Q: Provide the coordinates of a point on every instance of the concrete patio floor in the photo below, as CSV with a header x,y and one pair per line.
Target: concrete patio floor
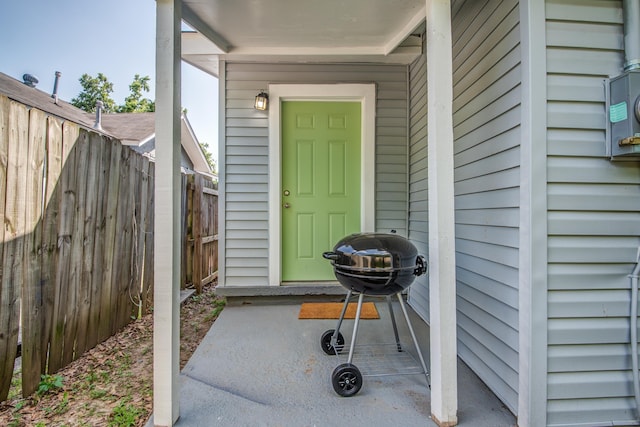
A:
x,y
260,365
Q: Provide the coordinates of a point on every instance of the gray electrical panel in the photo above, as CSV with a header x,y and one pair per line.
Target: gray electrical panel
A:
x,y
623,114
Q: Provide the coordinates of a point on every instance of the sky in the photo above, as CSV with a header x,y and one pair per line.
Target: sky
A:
x,y
115,38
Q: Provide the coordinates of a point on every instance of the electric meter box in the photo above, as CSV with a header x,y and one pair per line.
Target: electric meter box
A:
x,y
623,115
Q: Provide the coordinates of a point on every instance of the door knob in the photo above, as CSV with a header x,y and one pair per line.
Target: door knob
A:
x,y
286,192
287,205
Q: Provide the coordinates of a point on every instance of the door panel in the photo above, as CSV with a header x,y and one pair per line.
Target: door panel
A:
x,y
320,184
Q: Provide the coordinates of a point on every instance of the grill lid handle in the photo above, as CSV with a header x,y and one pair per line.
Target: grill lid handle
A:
x,y
331,255
421,266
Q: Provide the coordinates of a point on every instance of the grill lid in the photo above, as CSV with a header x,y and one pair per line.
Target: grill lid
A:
x,y
376,252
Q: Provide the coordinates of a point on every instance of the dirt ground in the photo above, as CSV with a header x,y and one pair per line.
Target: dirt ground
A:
x,y
112,384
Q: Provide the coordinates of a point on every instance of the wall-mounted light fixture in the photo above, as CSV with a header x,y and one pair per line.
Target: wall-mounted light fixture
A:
x,y
262,101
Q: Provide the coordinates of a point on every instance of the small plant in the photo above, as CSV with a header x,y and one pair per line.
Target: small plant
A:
x,y
63,406
49,383
124,415
97,393
218,307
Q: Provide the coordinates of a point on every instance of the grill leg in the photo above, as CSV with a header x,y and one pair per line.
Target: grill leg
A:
x,y
355,328
334,338
393,322
413,336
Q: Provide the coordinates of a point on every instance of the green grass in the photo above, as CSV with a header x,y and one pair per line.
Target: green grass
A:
x,y
217,309
124,415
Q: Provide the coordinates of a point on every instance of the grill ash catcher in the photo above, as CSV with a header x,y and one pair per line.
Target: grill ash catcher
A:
x,y
373,264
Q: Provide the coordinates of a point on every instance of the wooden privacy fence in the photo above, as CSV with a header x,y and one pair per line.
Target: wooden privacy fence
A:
x,y
76,246
199,231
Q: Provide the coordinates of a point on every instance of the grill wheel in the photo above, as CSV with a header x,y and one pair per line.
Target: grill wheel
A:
x,y
346,380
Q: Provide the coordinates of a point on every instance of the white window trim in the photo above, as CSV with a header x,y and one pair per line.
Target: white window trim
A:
x,y
366,95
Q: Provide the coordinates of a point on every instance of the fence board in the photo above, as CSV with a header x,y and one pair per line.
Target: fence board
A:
x,y
108,294
143,208
87,205
148,260
13,265
197,232
31,287
50,229
123,239
77,293
189,190
67,199
101,150
8,307
128,277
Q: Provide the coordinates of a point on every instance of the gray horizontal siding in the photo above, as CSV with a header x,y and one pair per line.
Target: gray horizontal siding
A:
x,y
486,119
246,155
593,221
418,180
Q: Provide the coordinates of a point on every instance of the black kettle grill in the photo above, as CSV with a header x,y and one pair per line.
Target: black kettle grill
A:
x,y
376,264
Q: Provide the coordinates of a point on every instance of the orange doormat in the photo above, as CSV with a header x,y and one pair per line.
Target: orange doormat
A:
x,y
332,310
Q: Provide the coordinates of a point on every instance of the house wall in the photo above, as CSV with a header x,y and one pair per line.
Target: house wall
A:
x,y
418,182
486,115
593,221
486,61
246,155
593,204
486,120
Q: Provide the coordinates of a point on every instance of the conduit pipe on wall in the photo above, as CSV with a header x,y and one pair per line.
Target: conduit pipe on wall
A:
x,y
631,13
633,323
631,16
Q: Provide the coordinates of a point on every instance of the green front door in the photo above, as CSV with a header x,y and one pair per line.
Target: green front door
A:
x,y
320,184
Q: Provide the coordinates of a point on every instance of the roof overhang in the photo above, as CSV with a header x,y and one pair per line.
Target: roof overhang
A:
x,y
331,31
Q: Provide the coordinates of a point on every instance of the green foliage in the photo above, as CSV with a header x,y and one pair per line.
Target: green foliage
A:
x,y
218,306
135,103
49,383
94,89
208,156
124,415
100,88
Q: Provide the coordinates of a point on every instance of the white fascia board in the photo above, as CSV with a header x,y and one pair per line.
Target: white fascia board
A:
x,y
198,24
138,142
130,142
306,50
402,55
194,43
414,23
205,63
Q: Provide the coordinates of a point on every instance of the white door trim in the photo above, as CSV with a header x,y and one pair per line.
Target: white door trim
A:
x,y
366,95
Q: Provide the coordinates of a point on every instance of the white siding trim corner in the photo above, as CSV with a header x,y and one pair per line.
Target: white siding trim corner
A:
x,y
532,369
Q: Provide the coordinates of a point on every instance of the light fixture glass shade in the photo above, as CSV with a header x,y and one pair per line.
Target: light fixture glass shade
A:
x,y
262,101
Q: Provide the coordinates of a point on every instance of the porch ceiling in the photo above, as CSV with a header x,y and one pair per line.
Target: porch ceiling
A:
x,y
302,31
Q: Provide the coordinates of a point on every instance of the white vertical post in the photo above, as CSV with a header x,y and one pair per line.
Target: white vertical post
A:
x,y
442,264
166,317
